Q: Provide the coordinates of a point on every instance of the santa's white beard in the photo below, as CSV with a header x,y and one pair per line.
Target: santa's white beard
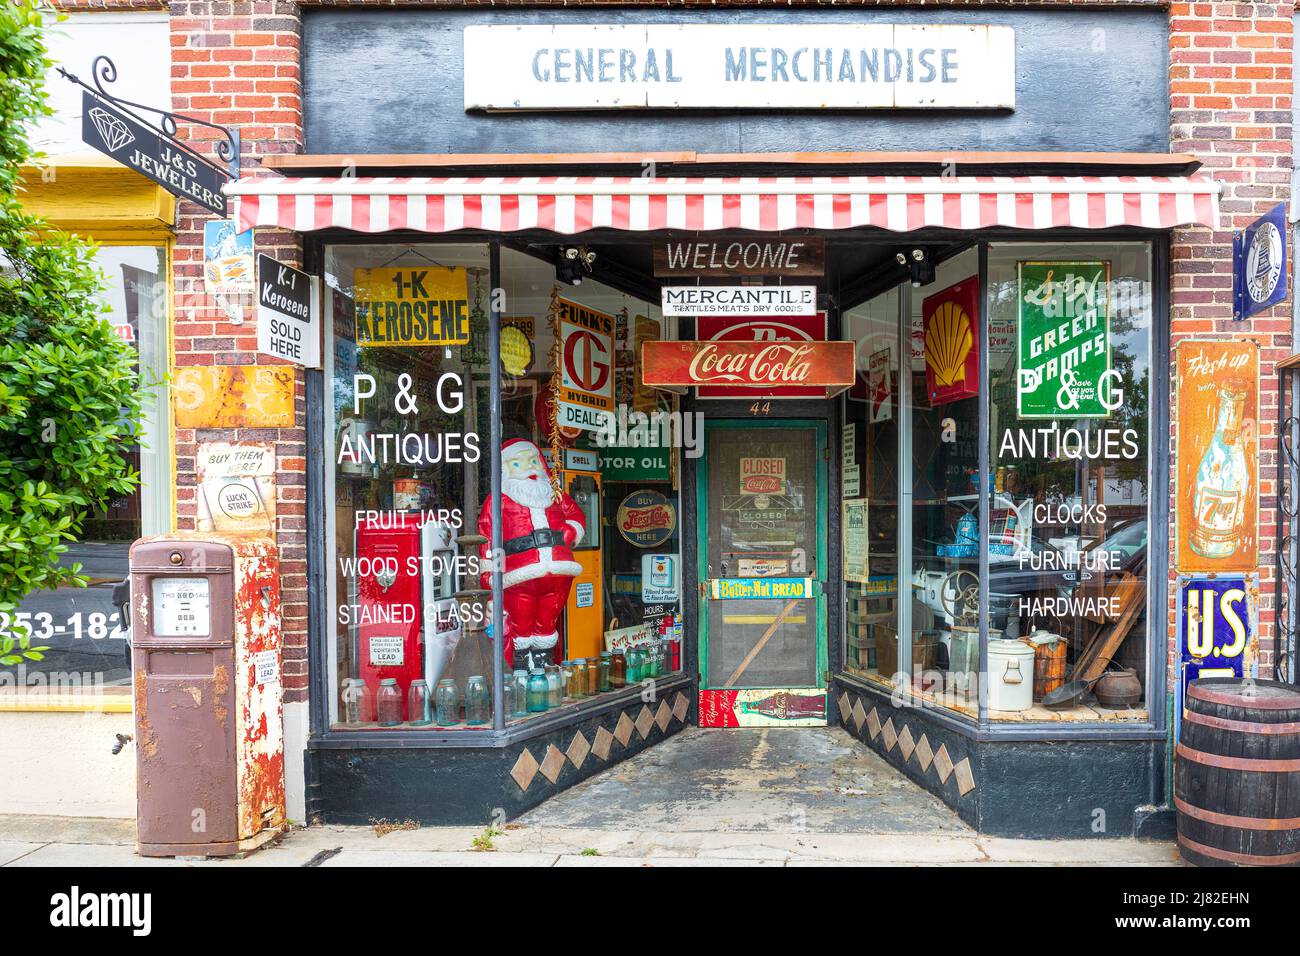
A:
x,y
529,492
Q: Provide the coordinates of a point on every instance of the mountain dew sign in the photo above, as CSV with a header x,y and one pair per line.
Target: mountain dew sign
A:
x,y
1063,335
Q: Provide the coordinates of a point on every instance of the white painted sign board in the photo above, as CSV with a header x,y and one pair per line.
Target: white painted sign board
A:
x,y
739,66
689,300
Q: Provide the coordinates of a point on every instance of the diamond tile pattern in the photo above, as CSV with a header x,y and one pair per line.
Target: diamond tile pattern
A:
x,y
873,724
602,744
891,735
663,715
924,754
525,769
552,763
943,763
681,706
905,743
623,730
965,778
644,721
578,750
844,706
859,714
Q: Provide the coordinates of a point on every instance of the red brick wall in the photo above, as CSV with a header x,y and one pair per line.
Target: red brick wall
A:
x,y
1230,85
236,63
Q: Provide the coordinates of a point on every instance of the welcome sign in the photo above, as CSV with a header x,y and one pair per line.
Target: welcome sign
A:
x,y
739,66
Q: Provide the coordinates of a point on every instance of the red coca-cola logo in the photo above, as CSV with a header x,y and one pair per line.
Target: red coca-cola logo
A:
x,y
761,485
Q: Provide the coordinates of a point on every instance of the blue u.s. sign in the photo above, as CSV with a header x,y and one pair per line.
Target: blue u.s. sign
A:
x,y
1217,628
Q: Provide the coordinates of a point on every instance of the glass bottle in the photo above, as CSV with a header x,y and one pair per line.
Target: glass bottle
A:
x,y
1222,484
593,677
446,699
566,678
388,702
605,681
651,666
666,656
418,703
578,683
554,686
478,706
538,695
519,693
632,659
358,702
618,670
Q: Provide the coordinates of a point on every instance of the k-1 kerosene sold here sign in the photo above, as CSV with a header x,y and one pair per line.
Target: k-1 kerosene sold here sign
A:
x,y
288,322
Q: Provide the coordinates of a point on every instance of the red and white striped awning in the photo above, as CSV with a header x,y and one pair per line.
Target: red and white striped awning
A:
x,y
569,205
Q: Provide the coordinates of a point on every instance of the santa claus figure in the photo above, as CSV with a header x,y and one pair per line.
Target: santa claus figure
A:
x,y
538,529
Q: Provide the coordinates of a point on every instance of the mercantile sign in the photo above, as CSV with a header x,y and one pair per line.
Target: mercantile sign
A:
x,y
739,66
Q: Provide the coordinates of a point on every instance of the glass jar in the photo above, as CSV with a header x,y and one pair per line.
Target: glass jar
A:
x,y
566,678
446,700
605,678
519,693
418,703
554,686
593,676
666,656
478,702
538,695
358,702
634,658
618,670
388,703
578,683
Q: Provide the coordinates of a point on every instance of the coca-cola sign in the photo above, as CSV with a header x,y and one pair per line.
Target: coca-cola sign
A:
x,y
766,367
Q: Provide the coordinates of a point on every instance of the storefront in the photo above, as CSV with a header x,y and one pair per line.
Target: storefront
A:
x,y
866,439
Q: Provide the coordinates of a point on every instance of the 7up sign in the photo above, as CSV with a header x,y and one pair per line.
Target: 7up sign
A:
x,y
1063,334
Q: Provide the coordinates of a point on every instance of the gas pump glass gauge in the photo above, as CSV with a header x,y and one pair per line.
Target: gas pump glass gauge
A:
x,y
444,584
586,496
181,607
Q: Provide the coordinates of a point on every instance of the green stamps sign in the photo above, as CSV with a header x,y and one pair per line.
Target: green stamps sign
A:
x,y
1063,335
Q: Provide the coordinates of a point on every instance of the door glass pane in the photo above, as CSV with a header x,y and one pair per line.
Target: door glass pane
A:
x,y
945,485
762,523
869,489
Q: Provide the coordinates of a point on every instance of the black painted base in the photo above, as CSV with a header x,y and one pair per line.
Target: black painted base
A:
x,y
1035,789
473,786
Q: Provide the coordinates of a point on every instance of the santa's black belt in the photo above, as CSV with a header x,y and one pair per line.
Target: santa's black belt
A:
x,y
543,538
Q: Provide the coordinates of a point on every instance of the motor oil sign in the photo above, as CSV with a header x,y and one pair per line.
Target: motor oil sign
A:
x,y
586,394
412,305
762,476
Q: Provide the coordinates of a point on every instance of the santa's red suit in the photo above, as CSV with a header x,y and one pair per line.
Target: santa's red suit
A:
x,y
538,533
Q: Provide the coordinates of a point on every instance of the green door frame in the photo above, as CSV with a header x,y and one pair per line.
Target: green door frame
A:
x,y
818,426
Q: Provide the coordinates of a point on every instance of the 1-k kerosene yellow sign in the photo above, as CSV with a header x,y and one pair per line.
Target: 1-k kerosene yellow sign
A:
x,y
425,305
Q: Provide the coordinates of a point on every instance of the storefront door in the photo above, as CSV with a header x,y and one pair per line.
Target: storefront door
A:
x,y
762,573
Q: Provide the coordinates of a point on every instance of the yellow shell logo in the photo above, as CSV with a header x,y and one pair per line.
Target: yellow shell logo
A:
x,y
948,341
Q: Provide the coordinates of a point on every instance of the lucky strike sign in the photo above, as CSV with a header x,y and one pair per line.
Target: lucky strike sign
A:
x,y
758,369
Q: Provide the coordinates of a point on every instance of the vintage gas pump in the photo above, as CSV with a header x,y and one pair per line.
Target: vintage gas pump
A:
x,y
208,719
584,615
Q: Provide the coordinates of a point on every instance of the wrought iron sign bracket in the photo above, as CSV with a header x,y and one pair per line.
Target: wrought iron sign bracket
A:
x,y
108,126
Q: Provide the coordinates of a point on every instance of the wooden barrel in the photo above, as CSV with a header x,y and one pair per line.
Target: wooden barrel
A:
x,y
1237,774
1049,668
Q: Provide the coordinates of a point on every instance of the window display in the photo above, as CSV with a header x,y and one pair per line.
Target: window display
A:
x,y
590,539
1066,393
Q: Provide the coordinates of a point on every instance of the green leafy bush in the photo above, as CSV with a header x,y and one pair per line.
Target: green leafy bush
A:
x,y
70,396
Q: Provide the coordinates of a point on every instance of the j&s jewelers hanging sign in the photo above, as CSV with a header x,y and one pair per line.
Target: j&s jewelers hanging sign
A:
x,y
739,66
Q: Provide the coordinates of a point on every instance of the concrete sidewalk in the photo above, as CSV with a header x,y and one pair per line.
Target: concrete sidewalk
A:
x,y
63,841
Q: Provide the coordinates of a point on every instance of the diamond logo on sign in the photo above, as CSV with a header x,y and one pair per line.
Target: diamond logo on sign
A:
x,y
115,132
1063,336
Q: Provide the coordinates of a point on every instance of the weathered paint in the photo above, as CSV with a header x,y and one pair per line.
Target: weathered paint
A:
x,y
211,752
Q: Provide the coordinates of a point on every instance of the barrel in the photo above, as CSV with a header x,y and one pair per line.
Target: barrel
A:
x,y
1237,773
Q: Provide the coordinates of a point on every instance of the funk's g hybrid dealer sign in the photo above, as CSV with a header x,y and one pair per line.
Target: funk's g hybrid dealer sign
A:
x,y
721,66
